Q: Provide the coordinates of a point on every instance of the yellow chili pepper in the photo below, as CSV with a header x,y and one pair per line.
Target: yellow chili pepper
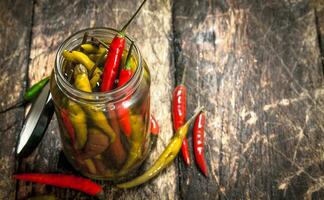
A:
x,y
79,57
79,122
137,137
94,57
99,119
133,64
94,80
91,166
81,80
168,155
90,48
95,76
96,116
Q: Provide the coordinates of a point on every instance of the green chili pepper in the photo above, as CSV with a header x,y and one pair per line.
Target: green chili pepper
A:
x,y
168,155
32,92
137,137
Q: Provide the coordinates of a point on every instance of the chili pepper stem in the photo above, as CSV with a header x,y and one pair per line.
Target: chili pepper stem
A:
x,y
131,19
197,111
114,55
85,37
184,75
129,55
126,67
96,64
101,42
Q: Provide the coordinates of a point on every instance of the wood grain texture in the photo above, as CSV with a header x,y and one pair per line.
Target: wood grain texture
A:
x,y
56,20
255,66
318,6
15,23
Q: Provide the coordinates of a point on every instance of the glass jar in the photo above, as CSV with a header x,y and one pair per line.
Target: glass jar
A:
x,y
92,126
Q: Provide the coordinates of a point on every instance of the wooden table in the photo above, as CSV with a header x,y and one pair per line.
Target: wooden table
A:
x,y
255,65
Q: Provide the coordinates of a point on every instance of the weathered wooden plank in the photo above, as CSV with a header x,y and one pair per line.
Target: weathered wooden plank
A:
x,y
15,23
256,68
152,32
319,11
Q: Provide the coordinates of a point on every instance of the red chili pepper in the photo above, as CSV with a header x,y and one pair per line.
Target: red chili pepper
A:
x,y
114,56
124,76
179,106
155,129
68,124
64,181
179,111
122,110
198,142
112,62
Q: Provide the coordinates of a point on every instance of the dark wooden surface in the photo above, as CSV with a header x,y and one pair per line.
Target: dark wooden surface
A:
x,y
257,67
15,34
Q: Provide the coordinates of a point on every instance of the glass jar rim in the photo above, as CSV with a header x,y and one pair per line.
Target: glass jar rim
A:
x,y
96,97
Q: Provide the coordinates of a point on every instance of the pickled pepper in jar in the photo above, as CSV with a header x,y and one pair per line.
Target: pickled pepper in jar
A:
x,y
93,137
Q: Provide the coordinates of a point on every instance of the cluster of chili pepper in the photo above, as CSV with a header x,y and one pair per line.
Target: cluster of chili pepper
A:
x,y
167,156
94,135
91,188
91,141
178,141
179,111
90,134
